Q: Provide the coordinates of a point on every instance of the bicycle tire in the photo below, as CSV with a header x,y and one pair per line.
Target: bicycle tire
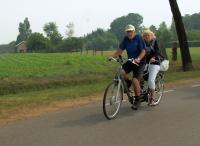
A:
x,y
112,100
159,91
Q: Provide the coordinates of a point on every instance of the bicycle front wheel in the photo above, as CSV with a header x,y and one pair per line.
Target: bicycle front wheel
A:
x,y
159,89
112,100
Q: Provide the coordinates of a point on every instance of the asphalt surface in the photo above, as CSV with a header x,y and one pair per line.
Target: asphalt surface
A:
x,y
175,122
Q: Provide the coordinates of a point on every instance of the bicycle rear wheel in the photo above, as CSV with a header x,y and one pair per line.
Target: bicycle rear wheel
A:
x,y
112,100
159,90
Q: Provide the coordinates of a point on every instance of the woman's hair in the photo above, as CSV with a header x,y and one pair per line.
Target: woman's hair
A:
x,y
148,32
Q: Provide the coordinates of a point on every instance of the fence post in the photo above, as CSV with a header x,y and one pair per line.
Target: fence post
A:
x,y
93,52
102,52
87,51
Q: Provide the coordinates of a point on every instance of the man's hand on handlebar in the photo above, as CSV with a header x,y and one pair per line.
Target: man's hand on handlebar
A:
x,y
110,58
118,59
137,60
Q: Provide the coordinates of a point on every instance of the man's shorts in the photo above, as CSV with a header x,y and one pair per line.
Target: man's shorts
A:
x,y
137,70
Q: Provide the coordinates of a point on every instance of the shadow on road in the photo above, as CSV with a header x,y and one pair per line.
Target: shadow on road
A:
x,y
98,117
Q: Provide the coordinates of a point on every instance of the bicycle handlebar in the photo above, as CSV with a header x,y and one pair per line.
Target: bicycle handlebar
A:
x,y
120,60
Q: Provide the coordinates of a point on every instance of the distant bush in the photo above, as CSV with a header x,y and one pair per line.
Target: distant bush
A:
x,y
38,43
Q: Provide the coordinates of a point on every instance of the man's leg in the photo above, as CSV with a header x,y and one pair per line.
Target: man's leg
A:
x,y
125,71
137,75
136,86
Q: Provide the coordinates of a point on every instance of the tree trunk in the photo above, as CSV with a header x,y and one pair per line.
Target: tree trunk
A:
x,y
184,48
174,51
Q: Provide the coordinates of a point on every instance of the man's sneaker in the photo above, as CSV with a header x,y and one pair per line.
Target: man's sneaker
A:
x,y
136,103
144,97
130,99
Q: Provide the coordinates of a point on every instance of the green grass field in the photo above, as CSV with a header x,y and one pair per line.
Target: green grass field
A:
x,y
30,80
46,65
57,65
26,72
175,72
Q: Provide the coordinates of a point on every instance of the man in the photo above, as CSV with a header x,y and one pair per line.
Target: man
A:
x,y
135,48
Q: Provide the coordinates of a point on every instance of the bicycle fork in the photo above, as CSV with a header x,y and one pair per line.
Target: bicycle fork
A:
x,y
120,87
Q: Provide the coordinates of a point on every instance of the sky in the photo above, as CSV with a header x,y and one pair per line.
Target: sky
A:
x,y
87,15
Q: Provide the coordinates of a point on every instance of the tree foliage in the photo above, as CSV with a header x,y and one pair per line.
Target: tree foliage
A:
x,y
38,43
51,30
24,31
70,29
192,26
118,25
192,21
71,44
101,40
163,34
153,29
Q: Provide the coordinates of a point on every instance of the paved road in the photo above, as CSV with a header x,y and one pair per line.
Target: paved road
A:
x,y
175,122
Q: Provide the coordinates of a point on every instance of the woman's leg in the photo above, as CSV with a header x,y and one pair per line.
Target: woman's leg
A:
x,y
153,71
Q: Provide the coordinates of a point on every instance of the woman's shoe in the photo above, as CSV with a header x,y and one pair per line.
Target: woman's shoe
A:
x,y
151,102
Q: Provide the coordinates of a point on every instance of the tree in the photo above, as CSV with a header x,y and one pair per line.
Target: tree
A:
x,y
28,30
24,31
193,35
101,40
184,48
153,29
70,29
192,26
163,35
38,43
192,21
71,44
52,33
118,25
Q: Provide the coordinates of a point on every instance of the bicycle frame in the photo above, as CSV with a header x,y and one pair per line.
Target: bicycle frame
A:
x,y
119,77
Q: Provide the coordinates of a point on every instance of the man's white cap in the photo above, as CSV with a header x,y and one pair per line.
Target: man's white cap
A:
x,y
129,28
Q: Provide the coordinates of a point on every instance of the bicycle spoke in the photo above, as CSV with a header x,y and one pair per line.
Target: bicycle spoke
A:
x,y
112,100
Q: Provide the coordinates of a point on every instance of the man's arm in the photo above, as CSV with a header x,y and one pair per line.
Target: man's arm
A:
x,y
141,56
118,53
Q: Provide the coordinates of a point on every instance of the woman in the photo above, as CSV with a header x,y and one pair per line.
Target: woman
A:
x,y
153,58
